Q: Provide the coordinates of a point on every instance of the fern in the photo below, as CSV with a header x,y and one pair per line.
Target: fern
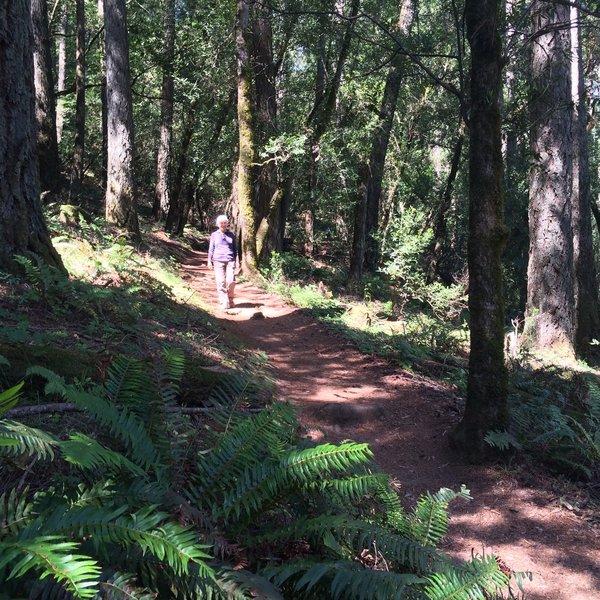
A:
x,y
17,439
248,442
262,483
9,398
87,453
52,556
122,586
475,581
343,579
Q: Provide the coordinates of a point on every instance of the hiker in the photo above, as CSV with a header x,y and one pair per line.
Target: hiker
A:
x,y
223,257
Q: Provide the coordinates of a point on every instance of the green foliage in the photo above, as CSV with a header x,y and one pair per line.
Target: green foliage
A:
x,y
564,431
286,266
250,484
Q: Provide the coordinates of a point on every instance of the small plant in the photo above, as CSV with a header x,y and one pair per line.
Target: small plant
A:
x,y
146,505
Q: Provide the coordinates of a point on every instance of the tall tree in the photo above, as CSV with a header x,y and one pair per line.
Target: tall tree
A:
x,y
247,146
45,110
79,146
164,156
487,380
121,193
587,319
267,196
550,314
364,247
22,227
318,120
61,77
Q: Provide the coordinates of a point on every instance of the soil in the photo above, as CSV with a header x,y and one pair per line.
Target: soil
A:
x,y
531,521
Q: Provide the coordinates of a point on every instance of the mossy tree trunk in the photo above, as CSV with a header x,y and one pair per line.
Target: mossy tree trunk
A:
x,y
247,149
22,227
486,406
45,109
121,193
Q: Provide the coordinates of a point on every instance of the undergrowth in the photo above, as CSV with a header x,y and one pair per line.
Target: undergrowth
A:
x,y
147,503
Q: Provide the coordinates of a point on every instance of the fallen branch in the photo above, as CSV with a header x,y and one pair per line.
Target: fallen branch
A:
x,y
64,407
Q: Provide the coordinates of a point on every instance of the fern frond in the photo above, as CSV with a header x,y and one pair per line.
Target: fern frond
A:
x,y
86,453
8,398
474,581
262,483
127,382
15,512
394,514
121,586
339,531
17,439
429,521
122,424
55,384
247,442
51,556
346,580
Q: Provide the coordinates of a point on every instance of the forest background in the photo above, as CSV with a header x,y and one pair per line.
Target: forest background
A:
x,y
440,158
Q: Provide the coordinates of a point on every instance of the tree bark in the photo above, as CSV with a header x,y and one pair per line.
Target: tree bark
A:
x,y
104,111
267,193
45,110
63,30
587,321
121,193
247,147
163,159
486,406
176,212
550,315
440,220
79,145
22,227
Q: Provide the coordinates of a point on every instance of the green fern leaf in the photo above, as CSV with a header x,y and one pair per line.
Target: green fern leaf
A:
x,y
17,439
15,512
263,483
52,557
9,398
474,581
87,453
122,586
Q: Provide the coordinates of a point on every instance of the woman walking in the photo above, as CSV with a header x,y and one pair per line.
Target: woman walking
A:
x,y
223,257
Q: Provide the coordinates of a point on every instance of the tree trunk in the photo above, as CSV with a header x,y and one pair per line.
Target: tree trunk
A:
x,y
63,30
22,227
247,149
121,194
486,407
104,111
163,160
79,146
45,110
176,211
550,315
318,122
381,140
440,220
267,194
587,321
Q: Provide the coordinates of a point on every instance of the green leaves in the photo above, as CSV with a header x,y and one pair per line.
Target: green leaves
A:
x,y
51,555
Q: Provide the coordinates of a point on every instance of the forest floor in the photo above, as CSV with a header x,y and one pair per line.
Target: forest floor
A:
x,y
529,520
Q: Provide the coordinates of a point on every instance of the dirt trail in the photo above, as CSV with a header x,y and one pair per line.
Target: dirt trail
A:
x,y
343,394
